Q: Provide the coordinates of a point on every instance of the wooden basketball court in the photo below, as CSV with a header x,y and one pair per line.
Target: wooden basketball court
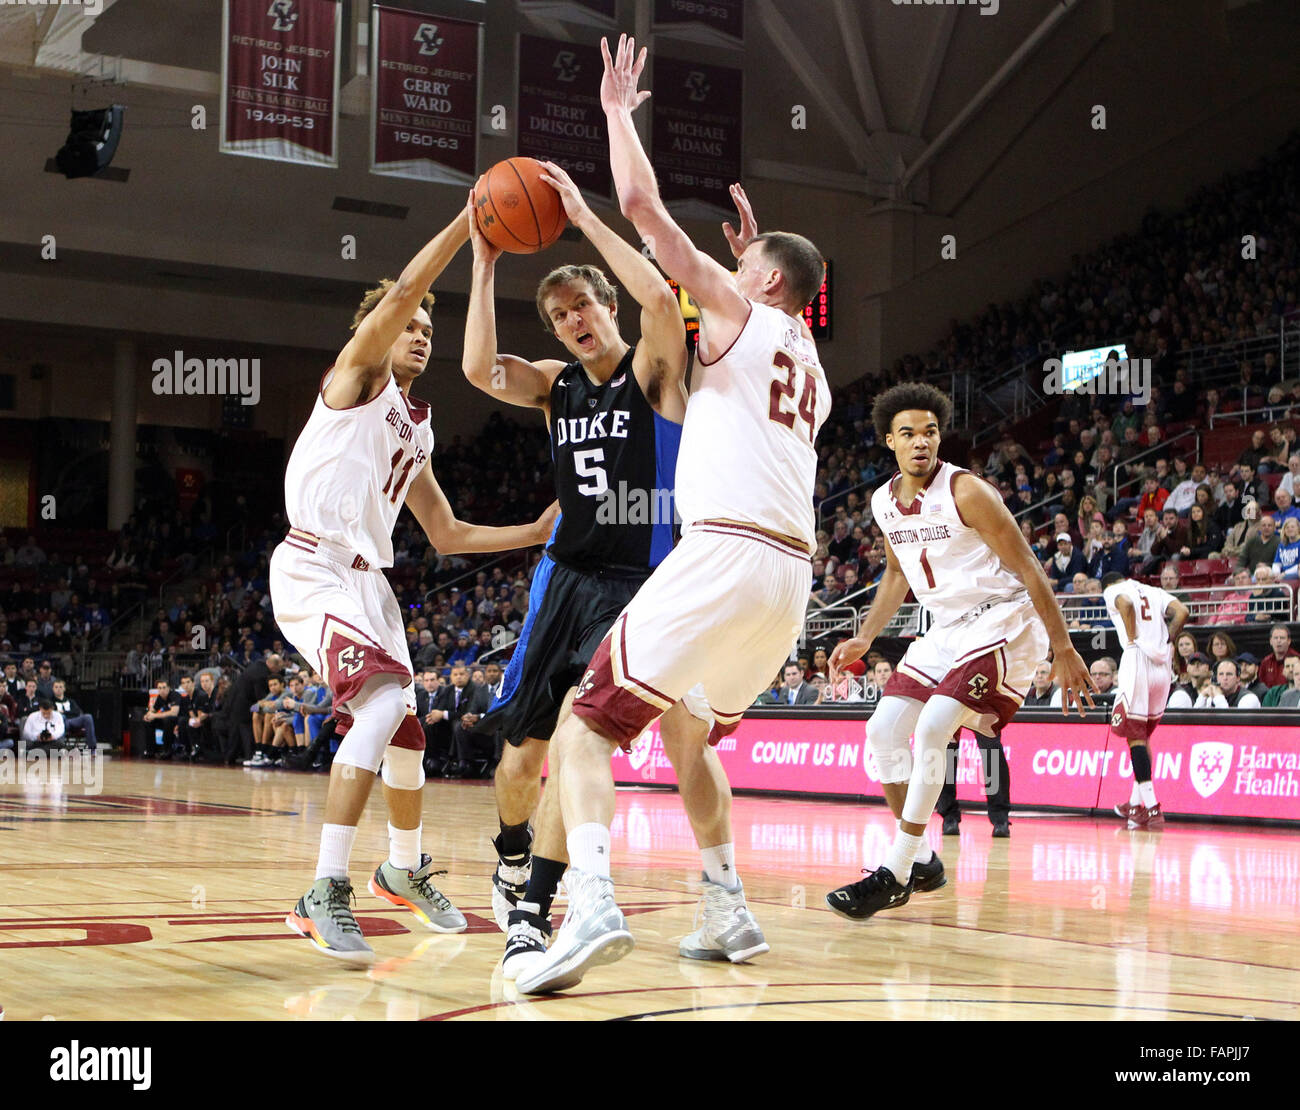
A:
x,y
164,897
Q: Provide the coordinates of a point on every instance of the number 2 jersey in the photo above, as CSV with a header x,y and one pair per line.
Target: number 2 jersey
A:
x,y
747,443
1150,603
615,458
947,563
351,468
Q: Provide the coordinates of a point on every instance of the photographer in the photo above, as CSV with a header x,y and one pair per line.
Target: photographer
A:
x,y
43,727
73,715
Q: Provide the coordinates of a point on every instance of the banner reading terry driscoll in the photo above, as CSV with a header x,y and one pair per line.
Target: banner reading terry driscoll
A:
x,y
560,118
424,102
280,80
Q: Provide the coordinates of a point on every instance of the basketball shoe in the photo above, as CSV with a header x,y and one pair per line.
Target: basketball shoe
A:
x,y
527,935
1147,818
413,891
509,882
324,916
1126,809
728,930
928,876
593,933
878,891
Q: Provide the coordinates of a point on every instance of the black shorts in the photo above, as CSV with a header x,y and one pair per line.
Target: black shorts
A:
x,y
569,612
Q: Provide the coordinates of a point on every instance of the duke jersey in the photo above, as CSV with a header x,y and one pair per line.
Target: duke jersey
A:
x,y
615,461
351,468
747,442
1150,603
947,563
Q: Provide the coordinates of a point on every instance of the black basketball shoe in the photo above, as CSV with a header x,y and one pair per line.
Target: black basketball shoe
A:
x,y
928,876
878,891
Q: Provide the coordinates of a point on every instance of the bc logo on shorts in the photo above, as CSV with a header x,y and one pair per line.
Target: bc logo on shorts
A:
x,y
352,659
585,686
979,686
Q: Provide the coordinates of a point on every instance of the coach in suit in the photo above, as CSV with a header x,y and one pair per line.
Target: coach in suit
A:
x,y
796,691
446,708
248,689
476,752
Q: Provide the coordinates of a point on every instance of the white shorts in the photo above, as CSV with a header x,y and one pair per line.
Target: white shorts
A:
x,y
718,617
1141,691
344,621
985,661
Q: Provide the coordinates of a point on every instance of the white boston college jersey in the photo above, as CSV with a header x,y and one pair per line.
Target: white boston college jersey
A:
x,y
1149,606
747,449
947,563
351,469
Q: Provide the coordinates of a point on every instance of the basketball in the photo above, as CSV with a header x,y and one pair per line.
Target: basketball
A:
x,y
517,211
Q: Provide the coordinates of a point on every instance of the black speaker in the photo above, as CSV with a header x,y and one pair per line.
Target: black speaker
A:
x,y
92,142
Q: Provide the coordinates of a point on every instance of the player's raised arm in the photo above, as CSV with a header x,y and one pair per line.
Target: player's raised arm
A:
x,y
663,331
451,536
889,596
978,502
513,380
709,283
367,351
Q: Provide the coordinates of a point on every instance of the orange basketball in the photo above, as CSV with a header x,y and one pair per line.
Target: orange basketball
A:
x,y
517,211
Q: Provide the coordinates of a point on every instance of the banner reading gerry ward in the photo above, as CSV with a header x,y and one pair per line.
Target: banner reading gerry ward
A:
x,y
280,80
560,118
696,136
424,107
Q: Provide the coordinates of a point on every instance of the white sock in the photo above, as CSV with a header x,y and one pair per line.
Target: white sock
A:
x,y
335,851
1136,797
1148,794
404,847
901,854
589,848
720,865
924,854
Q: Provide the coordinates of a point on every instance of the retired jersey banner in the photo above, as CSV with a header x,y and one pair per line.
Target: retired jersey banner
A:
x,y
280,80
560,117
696,137
424,103
725,18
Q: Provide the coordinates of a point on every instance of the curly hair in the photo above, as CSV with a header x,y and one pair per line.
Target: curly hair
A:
x,y
373,296
906,396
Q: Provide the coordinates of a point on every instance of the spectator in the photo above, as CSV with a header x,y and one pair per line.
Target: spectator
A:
x,y
1229,512
1248,673
13,685
1285,508
1044,690
1247,528
1221,647
1065,564
1184,494
1263,548
1196,678
446,708
30,554
1291,479
73,715
28,701
1272,669
1270,597
158,735
1289,697
1169,582
1235,607
45,726
1184,649
1230,694
45,680
1203,536
1150,533
1252,455
1171,540
796,691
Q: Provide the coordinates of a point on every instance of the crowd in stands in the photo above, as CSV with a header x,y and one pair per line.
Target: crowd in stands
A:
x,y
38,709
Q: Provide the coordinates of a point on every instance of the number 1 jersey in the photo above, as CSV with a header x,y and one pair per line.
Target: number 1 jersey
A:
x,y
748,449
351,468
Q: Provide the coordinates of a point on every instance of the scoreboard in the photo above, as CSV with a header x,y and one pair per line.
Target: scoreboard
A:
x,y
817,315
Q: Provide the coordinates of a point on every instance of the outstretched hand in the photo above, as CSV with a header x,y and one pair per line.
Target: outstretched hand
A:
x,y
483,250
618,89
748,225
571,197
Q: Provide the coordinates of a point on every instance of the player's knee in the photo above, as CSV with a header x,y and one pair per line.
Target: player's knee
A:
x,y
523,761
403,768
374,723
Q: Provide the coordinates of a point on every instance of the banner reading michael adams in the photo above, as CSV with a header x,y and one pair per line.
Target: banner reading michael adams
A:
x,y
722,17
560,118
697,131
280,80
424,102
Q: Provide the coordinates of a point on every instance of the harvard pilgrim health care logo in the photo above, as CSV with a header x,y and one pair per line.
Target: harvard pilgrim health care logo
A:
x,y
283,14
1211,762
429,39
